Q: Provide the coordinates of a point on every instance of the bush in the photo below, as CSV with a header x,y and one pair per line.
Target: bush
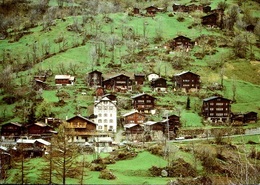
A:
x,y
106,174
97,167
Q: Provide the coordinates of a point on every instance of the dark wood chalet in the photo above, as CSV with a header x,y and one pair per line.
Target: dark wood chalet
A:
x,y
159,84
210,20
181,42
152,10
133,128
144,103
82,127
40,130
64,80
32,147
139,79
133,117
187,81
95,78
216,109
118,83
250,117
171,125
154,126
12,129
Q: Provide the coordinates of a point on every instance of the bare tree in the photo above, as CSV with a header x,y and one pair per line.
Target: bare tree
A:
x,y
64,153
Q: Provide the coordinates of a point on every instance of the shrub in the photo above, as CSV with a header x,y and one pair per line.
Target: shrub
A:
x,y
106,174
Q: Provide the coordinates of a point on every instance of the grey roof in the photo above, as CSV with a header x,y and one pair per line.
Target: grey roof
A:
x,y
184,72
138,95
84,118
214,97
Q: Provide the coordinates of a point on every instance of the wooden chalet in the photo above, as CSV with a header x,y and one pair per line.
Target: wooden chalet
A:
x,y
180,8
144,103
159,84
133,128
187,81
210,20
95,78
152,10
173,121
133,117
64,80
118,83
216,109
82,128
39,130
153,126
250,117
181,42
12,129
53,122
32,147
243,118
139,79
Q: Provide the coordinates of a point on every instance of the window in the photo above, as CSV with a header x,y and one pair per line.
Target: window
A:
x,y
105,120
105,115
100,121
219,103
105,107
111,121
148,101
99,108
140,101
99,115
219,109
110,108
99,127
111,115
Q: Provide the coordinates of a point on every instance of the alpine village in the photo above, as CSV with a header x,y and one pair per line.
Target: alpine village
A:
x,y
130,92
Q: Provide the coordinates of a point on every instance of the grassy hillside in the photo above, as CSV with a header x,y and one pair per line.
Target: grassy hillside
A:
x,y
79,43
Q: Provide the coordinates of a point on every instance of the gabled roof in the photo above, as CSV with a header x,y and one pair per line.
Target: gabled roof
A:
x,y
14,123
104,99
137,74
149,123
43,142
142,94
181,36
185,72
156,79
26,141
215,97
95,71
40,124
132,112
81,117
64,77
116,76
130,125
